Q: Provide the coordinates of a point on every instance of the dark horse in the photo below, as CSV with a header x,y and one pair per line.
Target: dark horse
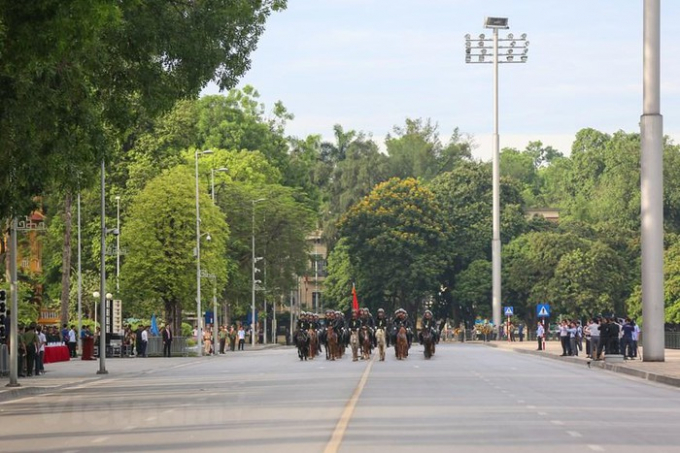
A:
x,y
302,343
366,343
332,349
401,346
427,340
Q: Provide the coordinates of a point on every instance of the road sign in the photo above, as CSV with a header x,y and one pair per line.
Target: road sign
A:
x,y
508,311
543,310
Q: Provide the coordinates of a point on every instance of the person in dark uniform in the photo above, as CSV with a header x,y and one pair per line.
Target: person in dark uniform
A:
x,y
381,323
343,337
401,319
368,321
355,323
428,323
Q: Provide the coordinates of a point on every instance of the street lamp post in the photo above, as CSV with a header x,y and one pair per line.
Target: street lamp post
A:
x,y
513,50
118,244
80,284
199,316
212,193
254,260
95,295
651,188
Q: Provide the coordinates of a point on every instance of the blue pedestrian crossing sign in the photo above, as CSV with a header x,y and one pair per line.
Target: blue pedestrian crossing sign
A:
x,y
508,311
543,310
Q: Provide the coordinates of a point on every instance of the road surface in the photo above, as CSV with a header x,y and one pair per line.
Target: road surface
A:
x,y
468,398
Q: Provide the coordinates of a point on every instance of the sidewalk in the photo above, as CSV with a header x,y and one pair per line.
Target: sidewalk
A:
x,y
63,375
667,372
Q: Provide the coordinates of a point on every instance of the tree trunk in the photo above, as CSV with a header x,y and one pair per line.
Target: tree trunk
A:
x,y
66,264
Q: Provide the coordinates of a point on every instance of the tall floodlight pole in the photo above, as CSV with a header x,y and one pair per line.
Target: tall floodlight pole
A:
x,y
254,281
102,283
199,316
508,49
212,193
651,188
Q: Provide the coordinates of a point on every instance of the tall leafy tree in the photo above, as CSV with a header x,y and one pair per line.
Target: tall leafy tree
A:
x,y
395,239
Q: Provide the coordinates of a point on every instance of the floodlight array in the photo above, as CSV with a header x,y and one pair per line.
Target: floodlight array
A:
x,y
511,49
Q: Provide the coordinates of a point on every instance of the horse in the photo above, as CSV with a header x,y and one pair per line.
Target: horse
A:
x,y
331,344
366,343
428,342
380,338
313,343
302,343
401,346
354,343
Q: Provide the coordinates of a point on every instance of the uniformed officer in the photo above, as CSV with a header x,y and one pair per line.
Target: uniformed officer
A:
x,y
381,323
428,322
401,319
355,323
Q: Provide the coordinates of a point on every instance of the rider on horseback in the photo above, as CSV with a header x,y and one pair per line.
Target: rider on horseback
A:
x,y
367,320
428,323
401,319
355,322
381,323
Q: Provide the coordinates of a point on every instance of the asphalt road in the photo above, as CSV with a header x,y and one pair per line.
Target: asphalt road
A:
x,y
468,398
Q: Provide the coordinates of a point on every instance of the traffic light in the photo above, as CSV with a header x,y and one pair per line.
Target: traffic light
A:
x,y
3,313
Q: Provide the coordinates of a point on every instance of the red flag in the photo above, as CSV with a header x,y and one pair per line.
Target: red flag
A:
x,y
355,301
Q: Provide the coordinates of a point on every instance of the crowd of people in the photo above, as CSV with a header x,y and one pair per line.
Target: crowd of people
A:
x,y
602,336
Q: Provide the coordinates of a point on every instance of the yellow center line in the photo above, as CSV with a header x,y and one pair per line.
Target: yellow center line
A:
x,y
339,431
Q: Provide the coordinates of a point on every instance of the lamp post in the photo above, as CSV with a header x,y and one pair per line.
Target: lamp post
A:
x,y
199,316
80,284
212,179
118,244
95,295
254,260
508,49
651,188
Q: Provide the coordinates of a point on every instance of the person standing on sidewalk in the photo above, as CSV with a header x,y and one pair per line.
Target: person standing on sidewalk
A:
x,y
564,338
223,338
145,340
167,340
540,333
241,338
72,341
594,332
40,355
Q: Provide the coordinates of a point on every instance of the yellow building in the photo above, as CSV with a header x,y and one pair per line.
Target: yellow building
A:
x,y
311,285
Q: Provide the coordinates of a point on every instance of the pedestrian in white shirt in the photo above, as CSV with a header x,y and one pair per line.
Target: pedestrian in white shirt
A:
x,y
594,330
145,340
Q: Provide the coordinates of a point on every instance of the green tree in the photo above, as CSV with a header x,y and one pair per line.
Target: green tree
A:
x,y
395,239
160,266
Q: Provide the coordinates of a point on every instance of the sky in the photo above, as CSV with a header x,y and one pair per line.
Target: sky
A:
x,y
370,64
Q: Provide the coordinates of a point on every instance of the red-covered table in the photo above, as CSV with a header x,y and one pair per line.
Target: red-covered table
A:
x,y
56,354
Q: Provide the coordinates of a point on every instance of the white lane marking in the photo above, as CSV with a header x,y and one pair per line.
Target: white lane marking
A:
x,y
574,433
595,448
99,440
520,401
167,411
557,422
150,419
531,407
129,428
543,413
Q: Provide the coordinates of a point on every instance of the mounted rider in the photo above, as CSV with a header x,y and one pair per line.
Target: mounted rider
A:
x,y
368,321
343,337
381,323
355,323
428,322
301,327
401,319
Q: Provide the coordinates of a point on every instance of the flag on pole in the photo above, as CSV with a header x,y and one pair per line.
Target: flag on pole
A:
x,y
355,301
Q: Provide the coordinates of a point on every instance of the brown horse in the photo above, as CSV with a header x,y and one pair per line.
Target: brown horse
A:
x,y
332,351
428,342
401,348
366,343
313,343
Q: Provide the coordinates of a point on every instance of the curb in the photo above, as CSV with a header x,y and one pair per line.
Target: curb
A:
x,y
25,391
616,368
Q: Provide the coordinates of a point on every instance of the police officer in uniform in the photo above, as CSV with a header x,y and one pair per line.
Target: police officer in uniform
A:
x,y
401,319
355,323
381,323
429,323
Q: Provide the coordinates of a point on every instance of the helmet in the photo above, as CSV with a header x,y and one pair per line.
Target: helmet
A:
x,y
380,310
